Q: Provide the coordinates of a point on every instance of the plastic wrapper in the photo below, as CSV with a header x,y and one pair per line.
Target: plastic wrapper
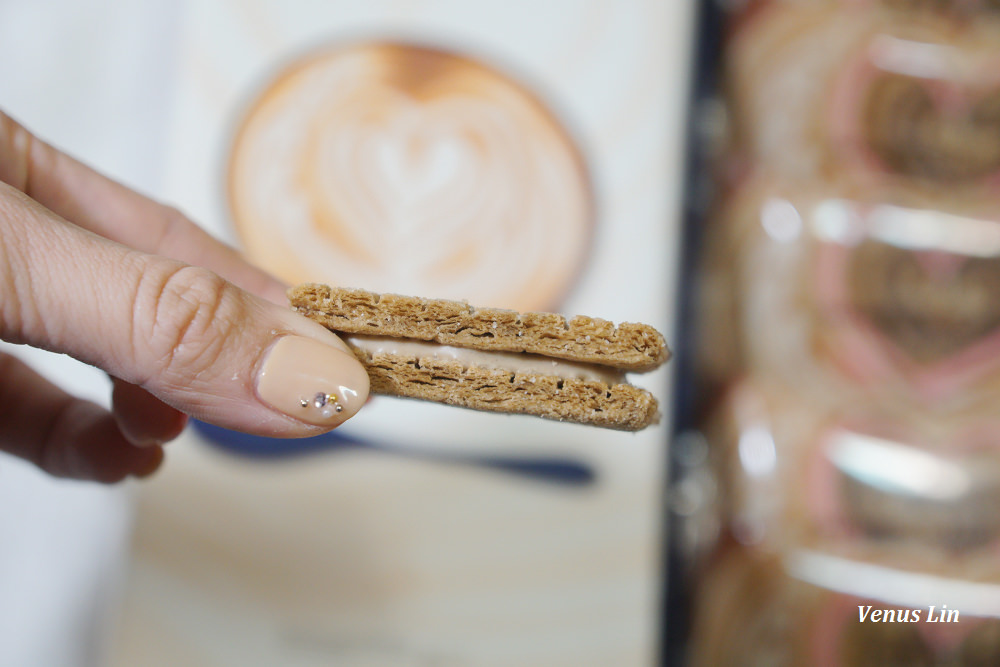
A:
x,y
849,293
819,89
918,495
850,336
758,612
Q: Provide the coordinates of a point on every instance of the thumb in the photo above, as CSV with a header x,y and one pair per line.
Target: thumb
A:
x,y
184,334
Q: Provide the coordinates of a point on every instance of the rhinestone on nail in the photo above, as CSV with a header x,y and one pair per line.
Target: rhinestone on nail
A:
x,y
322,401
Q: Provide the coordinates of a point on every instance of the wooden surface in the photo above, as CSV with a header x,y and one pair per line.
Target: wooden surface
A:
x,y
361,558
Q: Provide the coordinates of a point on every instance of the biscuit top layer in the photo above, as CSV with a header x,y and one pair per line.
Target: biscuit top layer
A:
x,y
519,363
629,347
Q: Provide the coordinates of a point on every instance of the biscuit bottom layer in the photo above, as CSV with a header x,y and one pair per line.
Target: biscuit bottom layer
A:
x,y
514,362
486,381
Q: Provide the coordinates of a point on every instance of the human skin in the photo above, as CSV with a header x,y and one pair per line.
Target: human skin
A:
x,y
182,324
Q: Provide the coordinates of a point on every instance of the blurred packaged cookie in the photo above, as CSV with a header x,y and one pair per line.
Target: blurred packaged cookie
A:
x,y
861,485
967,9
921,101
743,617
779,65
866,291
911,95
756,612
755,200
922,500
847,324
741,436
720,351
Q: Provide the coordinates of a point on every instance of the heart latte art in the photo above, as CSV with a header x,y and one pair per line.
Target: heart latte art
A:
x,y
405,169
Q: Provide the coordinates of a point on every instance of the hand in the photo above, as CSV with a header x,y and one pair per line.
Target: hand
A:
x,y
181,323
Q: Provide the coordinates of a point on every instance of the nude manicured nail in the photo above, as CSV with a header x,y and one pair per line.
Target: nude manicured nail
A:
x,y
311,381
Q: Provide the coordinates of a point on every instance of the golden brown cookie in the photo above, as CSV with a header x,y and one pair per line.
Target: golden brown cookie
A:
x,y
490,359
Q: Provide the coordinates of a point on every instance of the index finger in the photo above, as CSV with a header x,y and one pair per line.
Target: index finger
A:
x,y
93,201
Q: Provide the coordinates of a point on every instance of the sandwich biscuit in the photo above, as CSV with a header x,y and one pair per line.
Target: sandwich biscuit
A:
x,y
491,359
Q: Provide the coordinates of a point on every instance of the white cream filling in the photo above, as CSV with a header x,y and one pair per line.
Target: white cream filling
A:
x,y
516,362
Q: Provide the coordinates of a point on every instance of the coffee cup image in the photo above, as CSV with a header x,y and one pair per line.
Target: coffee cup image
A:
x,y
405,168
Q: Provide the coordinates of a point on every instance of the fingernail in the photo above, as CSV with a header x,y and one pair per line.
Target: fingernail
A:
x,y
311,381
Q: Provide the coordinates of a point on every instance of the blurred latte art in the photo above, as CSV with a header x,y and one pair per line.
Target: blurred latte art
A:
x,y
405,169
